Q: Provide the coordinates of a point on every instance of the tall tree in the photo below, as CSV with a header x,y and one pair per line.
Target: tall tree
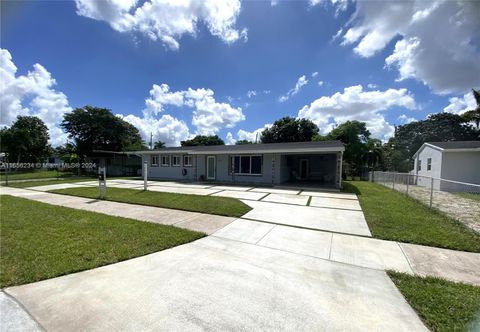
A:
x,y
355,135
289,129
437,127
26,140
201,140
95,128
474,115
159,145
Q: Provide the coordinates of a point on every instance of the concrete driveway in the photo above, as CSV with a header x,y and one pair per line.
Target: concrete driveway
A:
x,y
320,210
216,284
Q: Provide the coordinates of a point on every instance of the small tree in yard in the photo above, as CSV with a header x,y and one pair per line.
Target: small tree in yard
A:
x,y
26,140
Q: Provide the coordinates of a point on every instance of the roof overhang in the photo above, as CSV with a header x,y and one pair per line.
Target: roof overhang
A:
x,y
249,151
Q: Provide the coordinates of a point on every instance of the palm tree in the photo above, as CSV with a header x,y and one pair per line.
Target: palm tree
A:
x,y
474,115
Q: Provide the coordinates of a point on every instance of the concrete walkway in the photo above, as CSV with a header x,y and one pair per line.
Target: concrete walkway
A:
x,y
200,222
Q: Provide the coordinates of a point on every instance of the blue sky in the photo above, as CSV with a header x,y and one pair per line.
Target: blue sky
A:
x,y
387,64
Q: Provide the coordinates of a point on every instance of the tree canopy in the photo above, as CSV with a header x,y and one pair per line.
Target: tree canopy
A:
x,y
26,140
201,140
159,145
355,136
243,142
95,128
289,129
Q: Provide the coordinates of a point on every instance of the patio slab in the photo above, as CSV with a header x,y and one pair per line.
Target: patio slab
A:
x,y
286,199
335,220
245,231
240,194
299,241
335,203
449,264
368,252
215,284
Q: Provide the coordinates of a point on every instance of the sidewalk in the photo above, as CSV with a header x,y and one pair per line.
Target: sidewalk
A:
x,y
336,247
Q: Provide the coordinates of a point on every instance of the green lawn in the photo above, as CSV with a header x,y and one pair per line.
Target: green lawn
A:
x,y
41,241
393,216
37,183
223,206
40,174
475,197
442,305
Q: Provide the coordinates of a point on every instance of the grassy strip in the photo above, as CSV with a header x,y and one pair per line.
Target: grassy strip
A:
x,y
393,216
472,196
39,183
41,241
224,206
40,174
443,305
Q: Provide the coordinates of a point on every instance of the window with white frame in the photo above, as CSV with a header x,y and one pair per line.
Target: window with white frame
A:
x,y
246,165
419,165
165,160
187,160
429,164
153,160
175,160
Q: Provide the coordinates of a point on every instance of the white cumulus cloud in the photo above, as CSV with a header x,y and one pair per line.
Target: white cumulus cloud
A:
x,y
209,116
356,104
438,44
252,136
229,140
167,20
301,82
33,95
404,119
460,105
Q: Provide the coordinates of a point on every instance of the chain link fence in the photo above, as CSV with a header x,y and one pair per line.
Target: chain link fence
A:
x,y
459,200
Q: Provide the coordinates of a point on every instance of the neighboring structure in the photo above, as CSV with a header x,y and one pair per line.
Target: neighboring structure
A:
x,y
117,163
271,164
456,161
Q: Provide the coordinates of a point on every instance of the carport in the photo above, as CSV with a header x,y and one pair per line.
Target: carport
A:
x,y
317,169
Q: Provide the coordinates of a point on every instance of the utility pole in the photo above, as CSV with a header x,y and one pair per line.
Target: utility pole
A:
x,y
151,141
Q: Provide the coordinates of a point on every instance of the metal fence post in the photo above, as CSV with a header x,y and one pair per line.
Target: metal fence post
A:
x,y
408,181
393,182
431,192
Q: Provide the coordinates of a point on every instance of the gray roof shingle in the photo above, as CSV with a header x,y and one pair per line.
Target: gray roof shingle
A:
x,y
457,145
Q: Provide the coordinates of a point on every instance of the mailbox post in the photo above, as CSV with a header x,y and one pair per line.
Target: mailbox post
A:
x,y
145,175
102,182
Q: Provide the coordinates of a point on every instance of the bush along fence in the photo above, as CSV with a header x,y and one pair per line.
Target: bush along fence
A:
x,y
459,200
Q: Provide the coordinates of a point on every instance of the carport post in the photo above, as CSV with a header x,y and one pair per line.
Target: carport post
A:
x,y
145,175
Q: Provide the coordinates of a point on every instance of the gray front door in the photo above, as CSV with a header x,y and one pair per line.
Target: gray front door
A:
x,y
211,171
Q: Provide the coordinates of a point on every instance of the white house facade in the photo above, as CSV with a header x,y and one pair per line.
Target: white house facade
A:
x,y
455,161
267,164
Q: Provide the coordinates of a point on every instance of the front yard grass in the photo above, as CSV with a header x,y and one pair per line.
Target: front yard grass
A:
x,y
37,174
223,206
442,305
393,216
38,183
41,241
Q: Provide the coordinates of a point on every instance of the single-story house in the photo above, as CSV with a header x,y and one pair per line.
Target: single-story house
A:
x,y
116,163
456,161
267,164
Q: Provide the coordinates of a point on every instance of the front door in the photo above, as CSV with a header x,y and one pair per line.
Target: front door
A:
x,y
303,169
211,171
